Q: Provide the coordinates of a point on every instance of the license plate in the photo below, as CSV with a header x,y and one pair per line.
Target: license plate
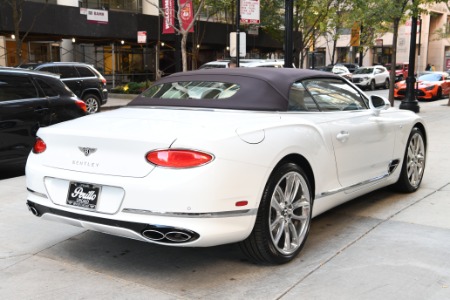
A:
x,y
83,195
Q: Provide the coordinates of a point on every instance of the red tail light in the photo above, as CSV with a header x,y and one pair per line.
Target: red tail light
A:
x,y
173,158
39,146
81,104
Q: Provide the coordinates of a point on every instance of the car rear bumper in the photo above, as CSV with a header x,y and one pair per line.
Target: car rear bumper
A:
x,y
182,232
202,207
104,96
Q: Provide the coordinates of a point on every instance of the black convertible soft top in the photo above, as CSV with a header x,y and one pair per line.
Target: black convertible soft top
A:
x,y
262,89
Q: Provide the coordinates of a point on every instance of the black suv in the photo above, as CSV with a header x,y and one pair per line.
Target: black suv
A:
x,y
83,79
30,100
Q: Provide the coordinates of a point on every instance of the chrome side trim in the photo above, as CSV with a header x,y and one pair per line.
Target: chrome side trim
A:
x,y
393,164
37,193
222,214
343,189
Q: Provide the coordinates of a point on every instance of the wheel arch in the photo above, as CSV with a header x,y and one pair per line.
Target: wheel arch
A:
x,y
91,91
421,127
302,162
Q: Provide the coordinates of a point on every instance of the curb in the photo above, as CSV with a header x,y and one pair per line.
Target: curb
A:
x,y
122,96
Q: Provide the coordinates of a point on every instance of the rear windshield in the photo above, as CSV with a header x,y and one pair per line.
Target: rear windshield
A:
x,y
192,90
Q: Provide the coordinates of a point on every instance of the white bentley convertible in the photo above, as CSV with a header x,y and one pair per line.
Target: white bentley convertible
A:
x,y
219,156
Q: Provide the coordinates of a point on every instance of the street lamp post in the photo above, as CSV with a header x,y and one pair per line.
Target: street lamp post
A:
x,y
288,32
410,102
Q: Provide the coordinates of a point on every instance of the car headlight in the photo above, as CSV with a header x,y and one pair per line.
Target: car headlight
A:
x,y
429,88
395,86
365,78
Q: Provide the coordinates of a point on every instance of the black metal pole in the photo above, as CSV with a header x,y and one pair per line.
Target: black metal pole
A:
x,y
238,38
361,54
288,32
178,67
410,102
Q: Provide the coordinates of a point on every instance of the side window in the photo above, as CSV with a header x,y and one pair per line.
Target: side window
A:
x,y
16,87
85,72
49,91
334,94
49,69
68,72
300,99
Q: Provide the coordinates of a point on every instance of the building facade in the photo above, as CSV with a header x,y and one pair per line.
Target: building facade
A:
x,y
107,34
431,47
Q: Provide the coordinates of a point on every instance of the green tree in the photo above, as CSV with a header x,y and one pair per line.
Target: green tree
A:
x,y
17,13
184,32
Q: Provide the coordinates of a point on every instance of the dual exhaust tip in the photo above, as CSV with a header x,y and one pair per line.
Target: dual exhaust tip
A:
x,y
169,235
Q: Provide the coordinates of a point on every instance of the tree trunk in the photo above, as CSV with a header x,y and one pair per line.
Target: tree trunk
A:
x,y
16,11
184,36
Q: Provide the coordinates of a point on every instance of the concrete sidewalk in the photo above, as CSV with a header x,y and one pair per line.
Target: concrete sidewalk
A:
x,y
380,246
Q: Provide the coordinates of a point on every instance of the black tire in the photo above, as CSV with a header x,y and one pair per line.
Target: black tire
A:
x,y
439,93
386,84
285,208
92,103
372,85
413,163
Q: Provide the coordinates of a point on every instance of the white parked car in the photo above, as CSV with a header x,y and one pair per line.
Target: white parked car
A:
x,y
371,77
210,157
247,63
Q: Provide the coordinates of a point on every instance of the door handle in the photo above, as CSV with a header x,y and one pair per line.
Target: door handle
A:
x,y
342,136
40,109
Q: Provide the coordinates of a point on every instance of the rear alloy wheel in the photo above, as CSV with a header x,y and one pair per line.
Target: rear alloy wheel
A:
x,y
372,85
413,163
386,84
92,103
284,217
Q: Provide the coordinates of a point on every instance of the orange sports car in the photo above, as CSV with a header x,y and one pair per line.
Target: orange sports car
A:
x,y
429,85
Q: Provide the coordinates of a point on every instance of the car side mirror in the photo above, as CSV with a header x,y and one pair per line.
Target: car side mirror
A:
x,y
377,104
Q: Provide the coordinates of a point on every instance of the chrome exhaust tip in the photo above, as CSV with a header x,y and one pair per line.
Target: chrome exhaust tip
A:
x,y
153,235
178,237
33,210
169,235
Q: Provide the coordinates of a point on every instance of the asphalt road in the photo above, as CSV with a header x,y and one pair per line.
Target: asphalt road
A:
x,y
381,246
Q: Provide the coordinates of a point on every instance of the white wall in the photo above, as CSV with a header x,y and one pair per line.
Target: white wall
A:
x,y
68,2
149,9
2,51
66,50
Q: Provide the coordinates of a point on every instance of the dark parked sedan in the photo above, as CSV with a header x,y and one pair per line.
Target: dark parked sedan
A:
x,y
30,100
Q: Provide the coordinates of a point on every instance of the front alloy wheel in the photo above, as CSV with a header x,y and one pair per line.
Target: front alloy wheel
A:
x,y
284,217
413,164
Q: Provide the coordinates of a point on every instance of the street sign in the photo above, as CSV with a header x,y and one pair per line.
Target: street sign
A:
x,y
142,37
250,11
242,44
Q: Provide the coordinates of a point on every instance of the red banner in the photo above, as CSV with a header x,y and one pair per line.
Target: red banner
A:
x,y
168,20
187,14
